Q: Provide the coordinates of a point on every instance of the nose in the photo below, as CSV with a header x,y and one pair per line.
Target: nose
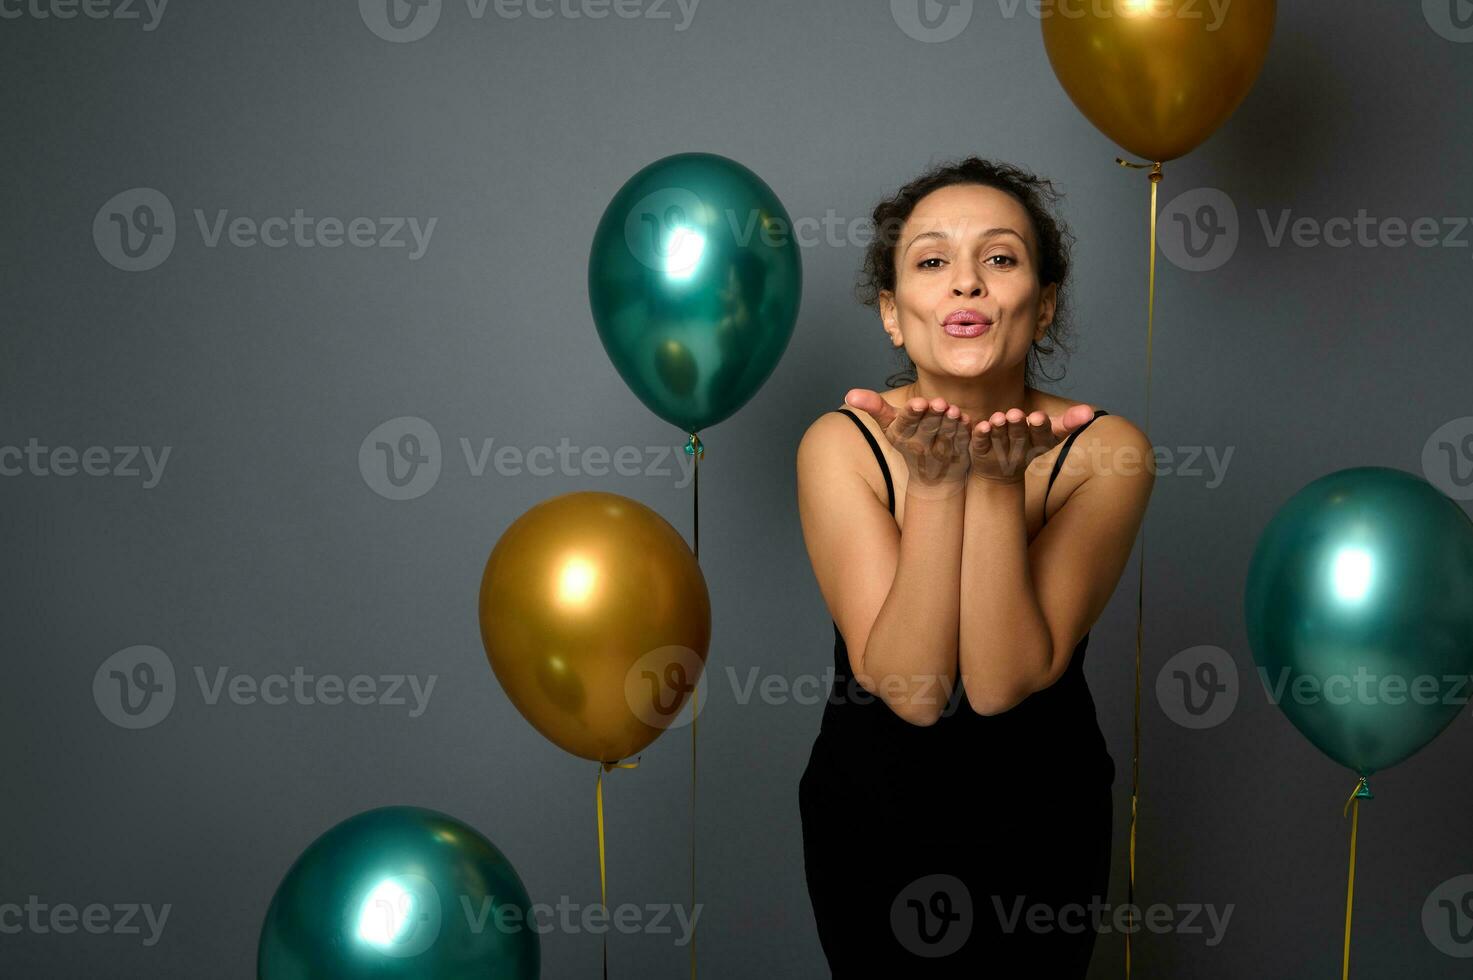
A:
x,y
967,282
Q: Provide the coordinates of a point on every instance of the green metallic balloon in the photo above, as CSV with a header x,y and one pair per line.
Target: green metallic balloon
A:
x,y
695,281
400,892
1359,607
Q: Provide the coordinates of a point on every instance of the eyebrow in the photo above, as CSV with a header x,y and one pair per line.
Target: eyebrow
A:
x,y
944,235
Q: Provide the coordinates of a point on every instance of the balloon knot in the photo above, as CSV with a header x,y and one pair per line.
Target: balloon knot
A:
x,y
1155,173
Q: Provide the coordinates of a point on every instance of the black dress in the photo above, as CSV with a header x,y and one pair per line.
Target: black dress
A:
x,y
975,847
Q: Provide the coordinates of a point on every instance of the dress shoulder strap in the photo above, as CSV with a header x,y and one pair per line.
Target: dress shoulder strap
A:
x,y
884,466
1059,462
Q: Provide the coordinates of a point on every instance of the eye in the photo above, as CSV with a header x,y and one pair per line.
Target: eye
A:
x,y
922,263
1006,258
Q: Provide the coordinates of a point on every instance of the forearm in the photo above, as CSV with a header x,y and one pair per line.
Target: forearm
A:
x,y
1004,647
910,659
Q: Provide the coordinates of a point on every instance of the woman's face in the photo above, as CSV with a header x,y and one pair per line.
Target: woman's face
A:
x,y
967,247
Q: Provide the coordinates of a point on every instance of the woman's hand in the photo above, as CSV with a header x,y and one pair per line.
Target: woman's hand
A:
x,y
1002,446
932,436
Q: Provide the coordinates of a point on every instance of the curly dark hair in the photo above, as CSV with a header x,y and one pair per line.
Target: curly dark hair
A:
x,y
1037,195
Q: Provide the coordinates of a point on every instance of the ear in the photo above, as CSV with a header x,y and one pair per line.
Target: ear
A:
x,y
890,318
1047,303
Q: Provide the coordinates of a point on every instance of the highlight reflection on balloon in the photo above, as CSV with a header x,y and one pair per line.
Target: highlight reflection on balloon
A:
x,y
1359,606
596,620
1158,76
694,280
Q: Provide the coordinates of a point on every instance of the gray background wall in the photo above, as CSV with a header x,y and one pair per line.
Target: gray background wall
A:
x,y
265,547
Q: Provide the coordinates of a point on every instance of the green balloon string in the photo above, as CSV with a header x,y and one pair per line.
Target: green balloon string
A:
x,y
695,450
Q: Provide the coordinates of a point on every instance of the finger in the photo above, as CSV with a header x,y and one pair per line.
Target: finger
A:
x,y
1073,418
1003,440
946,434
908,418
1040,435
981,446
1017,440
963,435
870,402
931,421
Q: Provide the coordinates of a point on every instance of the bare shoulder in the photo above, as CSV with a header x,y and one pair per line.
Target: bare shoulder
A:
x,y
1114,448
829,453
824,437
1118,432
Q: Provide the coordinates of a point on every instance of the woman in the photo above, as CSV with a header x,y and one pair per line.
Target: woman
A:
x,y
956,807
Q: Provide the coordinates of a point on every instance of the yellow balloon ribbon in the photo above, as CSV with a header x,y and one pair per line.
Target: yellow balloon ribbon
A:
x,y
695,706
1362,791
1140,595
603,886
696,450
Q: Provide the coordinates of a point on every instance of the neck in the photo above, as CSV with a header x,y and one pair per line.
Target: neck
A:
x,y
979,398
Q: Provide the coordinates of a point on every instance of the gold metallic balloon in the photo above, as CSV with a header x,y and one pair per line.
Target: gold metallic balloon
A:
x,y
596,620
1157,76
